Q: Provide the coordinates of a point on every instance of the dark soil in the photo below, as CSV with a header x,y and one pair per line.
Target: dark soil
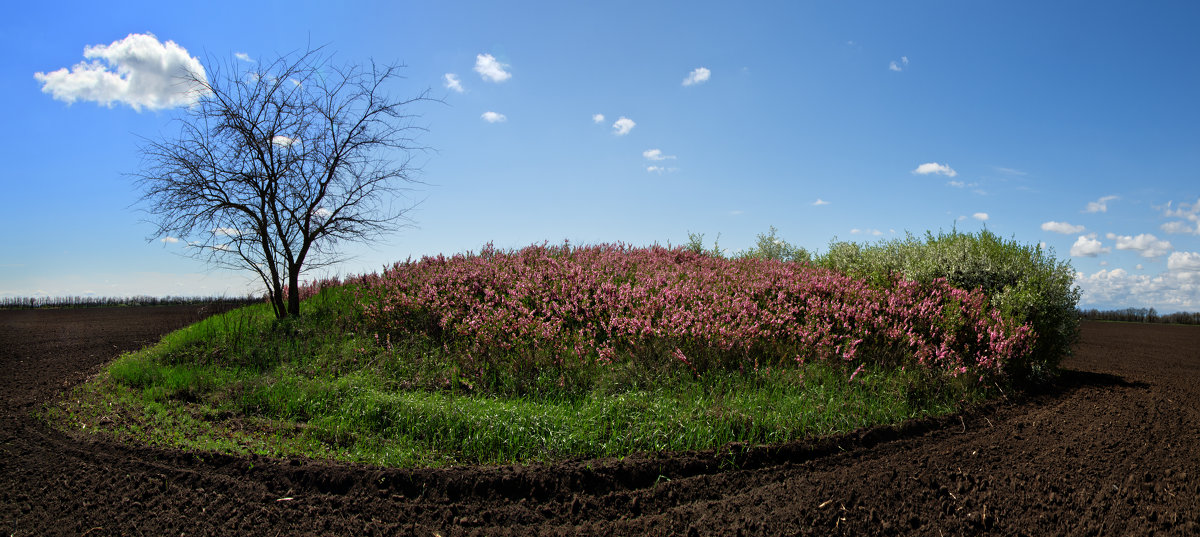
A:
x,y
1114,450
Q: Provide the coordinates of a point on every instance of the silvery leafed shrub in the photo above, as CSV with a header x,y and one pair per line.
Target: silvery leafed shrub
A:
x,y
1025,283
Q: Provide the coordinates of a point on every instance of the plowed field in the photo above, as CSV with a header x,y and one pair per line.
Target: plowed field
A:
x,y
1114,450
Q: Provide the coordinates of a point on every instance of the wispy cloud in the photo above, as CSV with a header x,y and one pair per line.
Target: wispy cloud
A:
x,y
1146,245
491,69
1011,171
656,154
936,169
138,71
874,232
453,83
660,169
820,202
244,57
1088,247
697,76
893,66
168,240
623,125
1062,227
598,118
1100,205
494,117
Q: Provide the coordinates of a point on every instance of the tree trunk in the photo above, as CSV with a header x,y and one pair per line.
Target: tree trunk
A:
x,y
293,305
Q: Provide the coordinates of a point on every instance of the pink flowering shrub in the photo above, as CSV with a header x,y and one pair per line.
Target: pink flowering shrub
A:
x,y
606,303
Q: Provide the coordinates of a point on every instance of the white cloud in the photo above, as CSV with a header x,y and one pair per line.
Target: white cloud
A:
x,y
282,141
1189,212
1184,262
893,66
1062,227
493,117
169,240
623,125
1086,247
1177,289
956,184
598,118
660,169
935,168
698,75
1100,205
244,57
491,69
1146,244
820,202
656,154
138,71
982,217
322,213
1178,227
453,83
1138,266
227,231
874,232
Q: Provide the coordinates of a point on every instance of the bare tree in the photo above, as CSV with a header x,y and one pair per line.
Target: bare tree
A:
x,y
278,163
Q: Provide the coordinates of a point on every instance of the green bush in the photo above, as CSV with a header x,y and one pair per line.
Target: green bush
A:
x,y
1024,282
774,248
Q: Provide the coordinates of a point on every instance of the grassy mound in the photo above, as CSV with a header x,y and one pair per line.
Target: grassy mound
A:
x,y
558,352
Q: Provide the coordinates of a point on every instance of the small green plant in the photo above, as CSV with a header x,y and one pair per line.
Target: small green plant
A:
x,y
769,246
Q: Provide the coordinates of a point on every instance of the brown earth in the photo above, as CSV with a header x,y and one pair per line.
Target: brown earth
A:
x,y
1114,450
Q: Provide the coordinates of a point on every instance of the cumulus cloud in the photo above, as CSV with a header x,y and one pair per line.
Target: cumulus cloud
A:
x,y
936,169
1176,289
139,71
1100,205
820,202
598,118
282,141
982,217
452,82
1062,227
1088,247
656,154
623,125
1184,262
1179,227
1188,212
169,240
1146,245
697,76
491,69
493,117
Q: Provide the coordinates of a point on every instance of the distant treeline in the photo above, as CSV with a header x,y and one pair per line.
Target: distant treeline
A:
x,y
1140,315
26,302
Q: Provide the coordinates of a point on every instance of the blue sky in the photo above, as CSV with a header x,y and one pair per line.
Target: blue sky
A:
x,y
1074,124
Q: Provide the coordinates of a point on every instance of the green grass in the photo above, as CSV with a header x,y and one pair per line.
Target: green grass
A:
x,y
243,382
